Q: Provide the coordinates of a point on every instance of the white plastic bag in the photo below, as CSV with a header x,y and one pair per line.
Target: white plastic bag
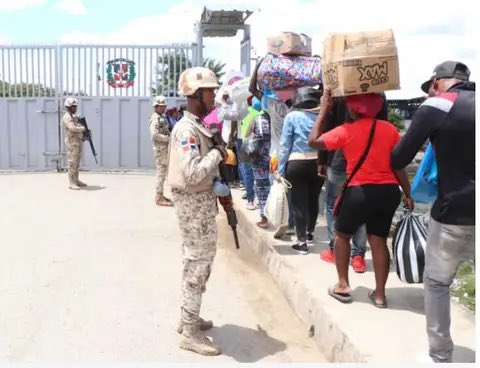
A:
x,y
409,248
240,92
276,207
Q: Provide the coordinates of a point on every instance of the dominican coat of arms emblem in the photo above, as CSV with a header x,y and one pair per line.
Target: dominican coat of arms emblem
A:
x,y
121,73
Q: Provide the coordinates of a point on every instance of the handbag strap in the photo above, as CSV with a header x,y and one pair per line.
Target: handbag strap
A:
x,y
364,155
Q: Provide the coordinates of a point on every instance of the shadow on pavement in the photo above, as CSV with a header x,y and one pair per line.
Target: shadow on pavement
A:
x,y
94,188
246,345
285,249
369,267
400,298
462,354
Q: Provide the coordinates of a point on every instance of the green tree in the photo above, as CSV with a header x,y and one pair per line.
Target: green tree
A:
x,y
396,119
168,68
172,64
215,66
25,90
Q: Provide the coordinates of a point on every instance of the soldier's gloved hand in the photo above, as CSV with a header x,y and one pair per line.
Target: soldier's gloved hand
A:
x,y
273,164
230,159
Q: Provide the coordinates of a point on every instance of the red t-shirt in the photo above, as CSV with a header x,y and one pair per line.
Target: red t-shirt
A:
x,y
352,138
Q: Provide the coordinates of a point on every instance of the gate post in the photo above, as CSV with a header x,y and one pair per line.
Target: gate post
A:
x,y
59,90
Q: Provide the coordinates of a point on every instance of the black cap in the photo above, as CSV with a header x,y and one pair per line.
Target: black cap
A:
x,y
307,98
448,69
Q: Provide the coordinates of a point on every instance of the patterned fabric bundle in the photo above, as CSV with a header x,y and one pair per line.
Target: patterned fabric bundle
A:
x,y
278,72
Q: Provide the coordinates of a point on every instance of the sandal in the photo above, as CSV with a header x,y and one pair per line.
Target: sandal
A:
x,y
341,297
164,202
381,305
263,223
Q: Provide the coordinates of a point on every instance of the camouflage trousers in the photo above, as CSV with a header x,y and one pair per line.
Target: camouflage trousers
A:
x,y
196,214
74,155
161,156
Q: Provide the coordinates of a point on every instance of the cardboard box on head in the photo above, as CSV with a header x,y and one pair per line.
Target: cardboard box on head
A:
x,y
364,62
290,43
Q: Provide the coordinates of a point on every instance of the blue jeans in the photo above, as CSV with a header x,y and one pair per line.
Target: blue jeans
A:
x,y
333,185
245,173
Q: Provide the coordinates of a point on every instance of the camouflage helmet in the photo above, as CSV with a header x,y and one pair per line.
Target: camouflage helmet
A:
x,y
159,101
70,101
195,78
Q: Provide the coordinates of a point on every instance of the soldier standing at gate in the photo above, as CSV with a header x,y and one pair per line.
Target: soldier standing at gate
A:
x,y
160,133
193,165
73,142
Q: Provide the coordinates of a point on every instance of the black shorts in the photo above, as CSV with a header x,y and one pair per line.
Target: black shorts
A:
x,y
370,204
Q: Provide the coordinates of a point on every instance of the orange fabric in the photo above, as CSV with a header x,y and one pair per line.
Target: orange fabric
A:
x,y
352,138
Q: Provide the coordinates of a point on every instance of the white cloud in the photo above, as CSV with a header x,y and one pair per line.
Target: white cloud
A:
x,y
13,5
155,29
72,7
425,32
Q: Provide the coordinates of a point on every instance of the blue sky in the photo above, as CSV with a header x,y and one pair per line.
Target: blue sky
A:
x,y
426,32
50,22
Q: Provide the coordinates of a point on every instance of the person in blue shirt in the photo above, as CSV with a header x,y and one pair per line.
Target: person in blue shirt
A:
x,y
171,116
298,163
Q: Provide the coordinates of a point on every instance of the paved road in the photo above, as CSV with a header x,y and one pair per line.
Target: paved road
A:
x,y
94,276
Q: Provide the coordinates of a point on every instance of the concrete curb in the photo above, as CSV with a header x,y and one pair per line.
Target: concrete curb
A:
x,y
327,334
356,332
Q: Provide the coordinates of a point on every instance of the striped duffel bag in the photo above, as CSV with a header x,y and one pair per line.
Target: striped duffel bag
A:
x,y
409,248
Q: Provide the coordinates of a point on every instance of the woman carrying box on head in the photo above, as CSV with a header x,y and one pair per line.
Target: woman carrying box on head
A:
x,y
371,194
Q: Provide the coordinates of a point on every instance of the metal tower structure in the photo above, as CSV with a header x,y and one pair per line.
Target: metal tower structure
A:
x,y
225,23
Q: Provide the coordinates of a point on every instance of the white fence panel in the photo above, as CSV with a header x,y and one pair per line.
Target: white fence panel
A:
x,y
114,85
120,133
28,134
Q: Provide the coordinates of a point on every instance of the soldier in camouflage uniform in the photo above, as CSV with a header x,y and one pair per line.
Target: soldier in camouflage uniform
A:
x,y
193,164
160,133
73,142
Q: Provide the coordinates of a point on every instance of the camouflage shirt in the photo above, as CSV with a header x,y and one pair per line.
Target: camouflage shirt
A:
x,y
73,129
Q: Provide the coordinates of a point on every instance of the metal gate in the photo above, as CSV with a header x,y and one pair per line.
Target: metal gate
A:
x,y
114,86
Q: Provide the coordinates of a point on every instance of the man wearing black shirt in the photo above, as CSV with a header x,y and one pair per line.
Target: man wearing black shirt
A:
x,y
447,118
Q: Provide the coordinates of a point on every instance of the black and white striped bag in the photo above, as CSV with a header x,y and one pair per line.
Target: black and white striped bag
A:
x,y
409,246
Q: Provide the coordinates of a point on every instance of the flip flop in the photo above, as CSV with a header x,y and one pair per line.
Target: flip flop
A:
x,y
164,203
341,297
371,295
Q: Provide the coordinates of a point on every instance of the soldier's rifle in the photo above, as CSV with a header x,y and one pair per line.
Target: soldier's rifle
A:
x,y
163,126
87,135
226,202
